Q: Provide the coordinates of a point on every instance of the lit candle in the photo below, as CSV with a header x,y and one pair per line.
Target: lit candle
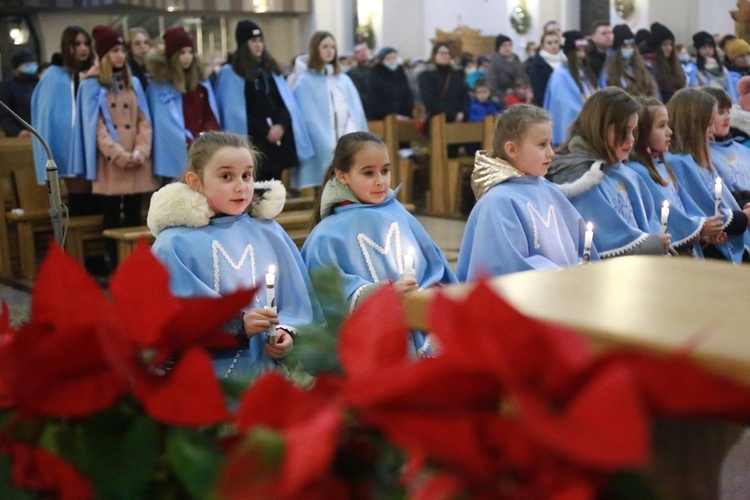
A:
x,y
717,195
588,239
271,300
664,216
409,271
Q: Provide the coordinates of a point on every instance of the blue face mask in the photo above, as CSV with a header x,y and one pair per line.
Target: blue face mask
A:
x,y
392,66
29,68
627,53
683,58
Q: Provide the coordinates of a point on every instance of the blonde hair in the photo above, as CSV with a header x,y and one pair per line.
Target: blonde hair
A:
x,y
133,32
106,74
690,111
208,143
513,124
610,106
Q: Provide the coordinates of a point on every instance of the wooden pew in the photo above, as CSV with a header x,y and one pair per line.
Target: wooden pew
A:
x,y
444,171
651,304
406,131
30,211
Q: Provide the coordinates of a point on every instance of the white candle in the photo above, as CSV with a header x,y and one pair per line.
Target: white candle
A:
x,y
409,262
664,216
270,283
270,124
588,239
717,195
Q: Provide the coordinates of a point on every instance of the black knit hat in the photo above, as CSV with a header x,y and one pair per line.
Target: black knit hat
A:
x,y
21,56
571,37
661,33
623,34
246,30
501,39
703,38
644,41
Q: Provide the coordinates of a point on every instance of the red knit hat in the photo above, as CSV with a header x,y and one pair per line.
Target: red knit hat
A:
x,y
105,38
175,39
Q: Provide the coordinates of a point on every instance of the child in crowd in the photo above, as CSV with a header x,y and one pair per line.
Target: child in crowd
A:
x,y
481,106
360,227
212,247
605,192
112,138
730,157
521,221
182,102
522,94
687,224
692,114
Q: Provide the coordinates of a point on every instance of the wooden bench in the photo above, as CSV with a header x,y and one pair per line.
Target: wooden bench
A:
x,y
29,214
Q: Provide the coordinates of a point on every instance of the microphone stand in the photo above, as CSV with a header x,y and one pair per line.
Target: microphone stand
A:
x,y
53,181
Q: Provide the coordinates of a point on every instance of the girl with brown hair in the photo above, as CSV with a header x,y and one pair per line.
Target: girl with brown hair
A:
x,y
625,68
182,102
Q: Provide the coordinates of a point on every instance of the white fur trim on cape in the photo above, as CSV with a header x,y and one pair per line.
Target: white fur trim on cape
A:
x,y
587,181
177,205
617,251
740,118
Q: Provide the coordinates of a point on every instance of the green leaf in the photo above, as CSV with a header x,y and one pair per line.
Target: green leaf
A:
x,y
195,459
329,290
268,443
118,453
7,490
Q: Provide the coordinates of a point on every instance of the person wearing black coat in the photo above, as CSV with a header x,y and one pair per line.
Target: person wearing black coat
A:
x,y
443,87
389,88
548,58
16,92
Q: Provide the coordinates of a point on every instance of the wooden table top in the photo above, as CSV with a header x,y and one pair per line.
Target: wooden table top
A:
x,y
654,303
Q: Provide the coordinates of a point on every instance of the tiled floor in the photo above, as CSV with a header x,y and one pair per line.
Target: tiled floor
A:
x,y
447,233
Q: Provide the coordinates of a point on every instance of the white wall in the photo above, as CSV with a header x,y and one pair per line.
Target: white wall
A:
x,y
408,40
51,26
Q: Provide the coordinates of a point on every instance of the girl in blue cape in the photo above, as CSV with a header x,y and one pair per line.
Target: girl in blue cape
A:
x,y
360,228
521,221
625,68
591,174
707,70
212,246
53,114
182,102
330,105
730,157
687,224
692,114
569,86
255,100
112,137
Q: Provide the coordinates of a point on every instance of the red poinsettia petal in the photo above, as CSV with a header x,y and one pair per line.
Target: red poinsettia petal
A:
x,y
365,348
65,296
37,470
200,322
62,374
675,386
245,475
141,296
604,427
309,449
189,395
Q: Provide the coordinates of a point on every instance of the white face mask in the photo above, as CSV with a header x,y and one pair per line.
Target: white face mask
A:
x,y
627,54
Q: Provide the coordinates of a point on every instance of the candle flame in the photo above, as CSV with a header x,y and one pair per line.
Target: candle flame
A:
x,y
665,204
271,269
590,226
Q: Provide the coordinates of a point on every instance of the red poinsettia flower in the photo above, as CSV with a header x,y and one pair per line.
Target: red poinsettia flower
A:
x,y
308,422
37,470
6,334
76,357
503,395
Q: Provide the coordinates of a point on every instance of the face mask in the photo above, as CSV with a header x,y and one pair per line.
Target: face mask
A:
x,y
471,71
29,68
392,66
627,53
683,58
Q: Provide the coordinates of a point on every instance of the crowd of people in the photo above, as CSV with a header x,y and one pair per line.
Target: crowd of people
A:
x,y
646,153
